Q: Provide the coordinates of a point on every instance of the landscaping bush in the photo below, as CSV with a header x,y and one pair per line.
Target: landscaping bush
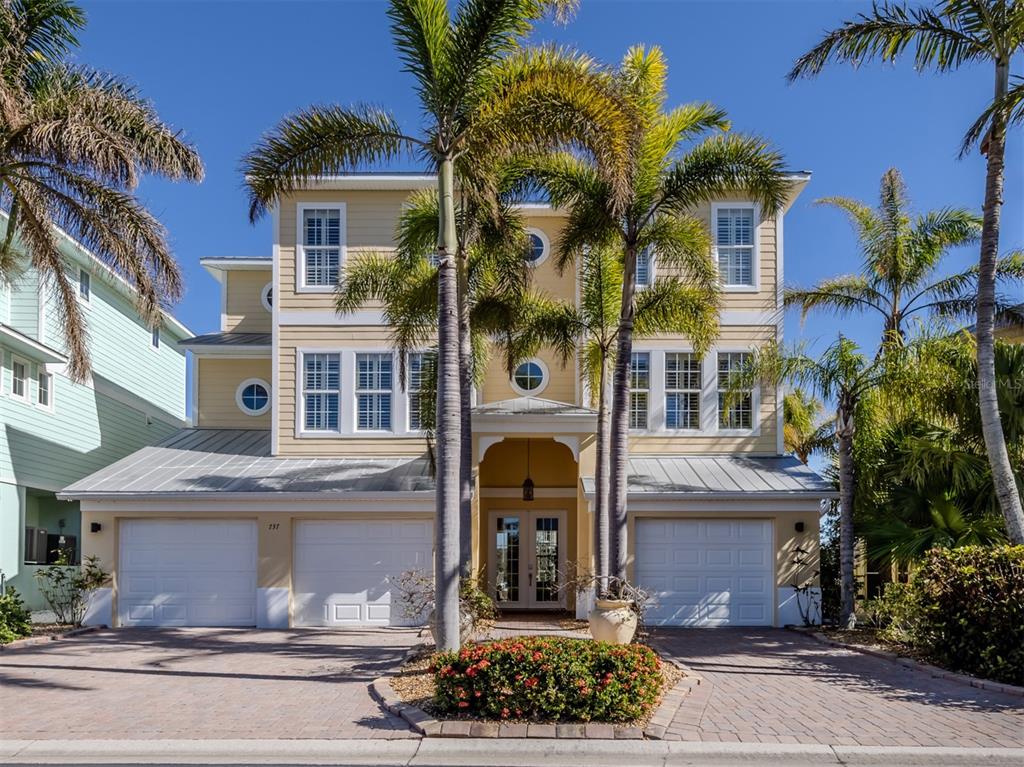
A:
x,y
15,618
67,588
548,679
896,614
972,610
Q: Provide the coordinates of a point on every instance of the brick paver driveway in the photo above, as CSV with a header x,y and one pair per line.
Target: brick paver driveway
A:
x,y
201,683
777,686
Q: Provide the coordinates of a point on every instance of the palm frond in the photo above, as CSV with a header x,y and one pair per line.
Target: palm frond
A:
x,y
682,244
1010,106
673,306
422,34
847,293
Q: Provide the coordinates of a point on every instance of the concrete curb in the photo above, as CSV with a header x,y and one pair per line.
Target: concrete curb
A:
x,y
902,660
421,722
17,644
481,752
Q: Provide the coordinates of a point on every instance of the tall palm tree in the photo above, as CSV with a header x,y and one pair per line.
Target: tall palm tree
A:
x,y
946,36
481,95
73,144
803,433
668,176
590,331
900,256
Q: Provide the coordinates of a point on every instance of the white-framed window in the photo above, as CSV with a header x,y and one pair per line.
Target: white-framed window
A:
x,y
683,385
374,383
735,228
320,246
19,378
267,297
321,392
530,377
154,338
540,246
84,286
645,267
740,415
253,396
44,390
416,372
640,390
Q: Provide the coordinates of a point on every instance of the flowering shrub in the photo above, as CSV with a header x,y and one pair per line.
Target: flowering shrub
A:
x,y
548,679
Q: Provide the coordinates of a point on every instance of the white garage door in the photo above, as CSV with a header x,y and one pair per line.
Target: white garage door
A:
x,y
187,573
706,572
342,570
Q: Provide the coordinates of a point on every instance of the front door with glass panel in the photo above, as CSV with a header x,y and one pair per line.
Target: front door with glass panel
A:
x,y
527,558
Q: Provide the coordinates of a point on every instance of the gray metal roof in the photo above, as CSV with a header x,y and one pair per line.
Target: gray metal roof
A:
x,y
228,339
531,406
238,461
724,475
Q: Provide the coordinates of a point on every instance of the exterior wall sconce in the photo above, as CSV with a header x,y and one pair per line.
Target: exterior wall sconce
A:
x,y
527,483
95,527
799,527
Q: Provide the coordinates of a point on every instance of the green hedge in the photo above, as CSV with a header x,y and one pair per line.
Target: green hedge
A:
x,y
548,679
971,610
15,618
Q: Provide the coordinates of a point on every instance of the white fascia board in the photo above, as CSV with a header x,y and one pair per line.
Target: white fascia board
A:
x,y
407,497
217,266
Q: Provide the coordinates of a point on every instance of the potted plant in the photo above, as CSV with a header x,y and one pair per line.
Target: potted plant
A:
x,y
618,609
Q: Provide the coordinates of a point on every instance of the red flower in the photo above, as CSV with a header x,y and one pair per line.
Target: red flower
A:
x,y
504,713
463,704
532,681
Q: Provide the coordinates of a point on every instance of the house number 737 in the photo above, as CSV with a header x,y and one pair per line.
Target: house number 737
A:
x,y
273,525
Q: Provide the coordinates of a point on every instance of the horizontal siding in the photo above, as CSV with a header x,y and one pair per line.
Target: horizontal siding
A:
x,y
24,303
85,432
244,310
561,385
219,380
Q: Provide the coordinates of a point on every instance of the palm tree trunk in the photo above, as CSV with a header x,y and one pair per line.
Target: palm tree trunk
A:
x,y
446,527
619,441
844,432
601,527
466,433
992,428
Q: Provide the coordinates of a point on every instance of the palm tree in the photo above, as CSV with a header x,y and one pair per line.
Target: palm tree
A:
x,y
481,96
73,144
901,254
667,178
802,432
590,331
945,37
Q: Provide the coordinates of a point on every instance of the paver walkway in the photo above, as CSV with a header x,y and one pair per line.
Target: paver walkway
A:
x,y
201,683
777,686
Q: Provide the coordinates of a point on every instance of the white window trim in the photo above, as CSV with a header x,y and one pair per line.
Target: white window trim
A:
x,y
755,264
356,392
347,394
40,373
241,404
27,396
545,372
546,253
651,268
155,333
653,405
408,395
85,301
709,393
699,390
300,254
264,296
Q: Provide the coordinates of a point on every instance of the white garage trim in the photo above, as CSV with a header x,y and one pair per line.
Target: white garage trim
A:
x,y
182,572
343,570
707,572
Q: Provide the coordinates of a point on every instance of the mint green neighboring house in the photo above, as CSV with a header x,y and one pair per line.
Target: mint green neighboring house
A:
x,y
54,431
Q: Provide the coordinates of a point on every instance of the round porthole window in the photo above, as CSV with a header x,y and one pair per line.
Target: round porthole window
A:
x,y
267,297
253,397
539,247
530,377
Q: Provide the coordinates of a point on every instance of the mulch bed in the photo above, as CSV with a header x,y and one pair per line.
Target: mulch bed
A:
x,y
414,685
869,638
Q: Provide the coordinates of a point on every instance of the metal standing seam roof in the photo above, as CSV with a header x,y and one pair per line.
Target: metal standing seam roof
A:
x,y
724,475
238,461
228,339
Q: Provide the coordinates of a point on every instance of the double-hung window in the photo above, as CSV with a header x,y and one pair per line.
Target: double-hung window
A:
x,y
84,286
740,411
321,246
373,392
644,268
19,379
640,389
682,390
734,240
419,368
44,390
321,391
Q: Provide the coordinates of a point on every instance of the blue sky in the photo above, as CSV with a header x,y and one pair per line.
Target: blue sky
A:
x,y
224,72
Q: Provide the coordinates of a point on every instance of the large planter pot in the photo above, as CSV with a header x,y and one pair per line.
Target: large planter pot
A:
x,y
613,620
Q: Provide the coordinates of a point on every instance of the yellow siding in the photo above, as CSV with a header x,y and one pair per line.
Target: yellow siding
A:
x,y
219,379
245,312
561,385
1011,335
